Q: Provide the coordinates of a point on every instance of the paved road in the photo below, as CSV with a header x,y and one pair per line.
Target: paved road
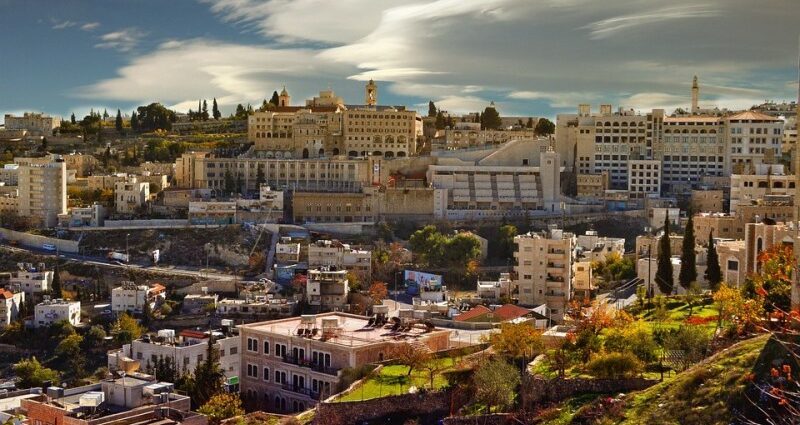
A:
x,y
101,262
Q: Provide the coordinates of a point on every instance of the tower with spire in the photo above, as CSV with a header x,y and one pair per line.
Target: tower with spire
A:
x,y
284,99
371,93
695,96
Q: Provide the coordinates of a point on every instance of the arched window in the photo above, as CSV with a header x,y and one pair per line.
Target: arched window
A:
x,y
305,153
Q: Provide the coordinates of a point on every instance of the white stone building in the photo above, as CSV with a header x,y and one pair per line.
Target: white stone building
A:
x,y
130,297
10,303
186,350
32,281
130,195
51,311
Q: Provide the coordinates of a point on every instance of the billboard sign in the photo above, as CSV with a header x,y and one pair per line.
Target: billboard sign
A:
x,y
414,280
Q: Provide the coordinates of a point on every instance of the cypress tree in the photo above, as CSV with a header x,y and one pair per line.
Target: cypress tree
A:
x,y
274,99
55,286
713,273
431,109
688,272
204,113
664,277
215,110
134,121
118,121
72,118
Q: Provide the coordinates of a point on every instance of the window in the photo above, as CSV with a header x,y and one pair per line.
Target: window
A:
x,y
266,347
252,345
280,350
252,370
266,374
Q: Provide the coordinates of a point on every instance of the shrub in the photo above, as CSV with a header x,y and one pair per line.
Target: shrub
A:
x,y
614,365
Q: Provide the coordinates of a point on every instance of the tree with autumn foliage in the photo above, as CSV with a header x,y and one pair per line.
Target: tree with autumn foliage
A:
x,y
772,284
517,341
378,292
740,314
414,355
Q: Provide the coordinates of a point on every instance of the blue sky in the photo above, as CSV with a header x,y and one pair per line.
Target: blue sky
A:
x,y
531,57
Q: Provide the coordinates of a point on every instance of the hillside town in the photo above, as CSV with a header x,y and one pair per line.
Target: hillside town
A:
x,y
343,260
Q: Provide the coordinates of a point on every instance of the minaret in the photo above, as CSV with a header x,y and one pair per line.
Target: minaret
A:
x,y
695,96
371,94
284,99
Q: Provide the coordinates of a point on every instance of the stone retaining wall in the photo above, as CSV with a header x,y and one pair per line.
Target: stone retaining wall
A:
x,y
355,412
493,419
537,390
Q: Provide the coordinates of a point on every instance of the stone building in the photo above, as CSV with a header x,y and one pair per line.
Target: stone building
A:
x,y
288,365
33,123
544,270
42,184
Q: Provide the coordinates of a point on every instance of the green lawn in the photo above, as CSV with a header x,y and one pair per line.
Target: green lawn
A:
x,y
677,313
394,380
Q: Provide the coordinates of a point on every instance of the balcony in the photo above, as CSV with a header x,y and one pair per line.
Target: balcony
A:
x,y
311,365
555,266
314,395
551,278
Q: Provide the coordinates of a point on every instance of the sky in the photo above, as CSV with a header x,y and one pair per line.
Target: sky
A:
x,y
530,57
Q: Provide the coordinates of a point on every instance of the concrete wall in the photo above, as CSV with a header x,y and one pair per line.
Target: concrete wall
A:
x,y
36,241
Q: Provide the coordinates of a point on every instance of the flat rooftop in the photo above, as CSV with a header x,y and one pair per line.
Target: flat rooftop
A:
x,y
352,330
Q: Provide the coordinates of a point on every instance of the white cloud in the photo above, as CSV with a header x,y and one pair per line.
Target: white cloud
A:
x,y
90,26
60,25
180,72
123,40
289,21
611,26
461,54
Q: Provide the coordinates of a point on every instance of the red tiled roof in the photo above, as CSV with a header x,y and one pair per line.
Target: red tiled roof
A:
x,y
511,312
157,287
6,294
188,333
472,313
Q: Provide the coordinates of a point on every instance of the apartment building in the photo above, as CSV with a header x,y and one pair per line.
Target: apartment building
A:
x,y
33,123
708,200
130,297
767,180
42,185
48,312
33,281
185,349
598,248
327,253
691,147
544,270
327,288
593,185
9,174
583,283
10,303
494,291
723,225
131,195
644,178
287,252
290,364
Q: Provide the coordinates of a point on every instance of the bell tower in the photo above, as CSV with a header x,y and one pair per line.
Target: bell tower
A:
x,y
695,96
371,93
284,99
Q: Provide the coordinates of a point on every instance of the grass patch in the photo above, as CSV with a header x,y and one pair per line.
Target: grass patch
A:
x,y
701,395
395,380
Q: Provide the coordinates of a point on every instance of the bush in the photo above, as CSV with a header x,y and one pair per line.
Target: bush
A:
x,y
634,338
614,365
